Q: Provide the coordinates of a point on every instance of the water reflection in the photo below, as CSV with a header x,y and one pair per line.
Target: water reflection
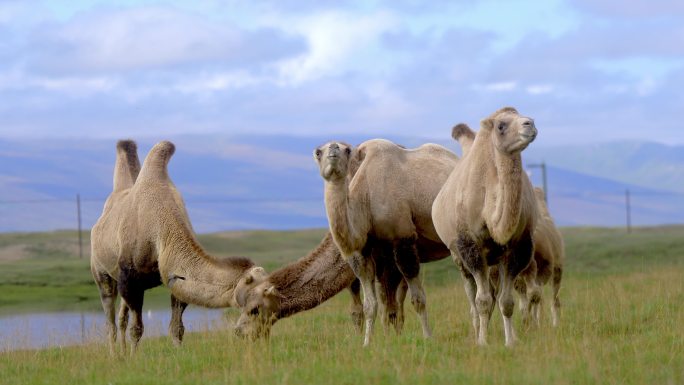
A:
x,y
42,330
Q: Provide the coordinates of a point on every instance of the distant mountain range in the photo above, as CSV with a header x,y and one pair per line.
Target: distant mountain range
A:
x,y
271,182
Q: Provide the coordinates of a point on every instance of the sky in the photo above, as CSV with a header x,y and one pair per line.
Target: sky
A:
x,y
585,70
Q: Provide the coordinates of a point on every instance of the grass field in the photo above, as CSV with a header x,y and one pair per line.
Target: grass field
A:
x,y
621,324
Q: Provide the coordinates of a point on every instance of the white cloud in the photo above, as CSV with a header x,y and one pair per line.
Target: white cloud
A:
x,y
498,86
337,42
385,105
218,81
539,89
140,38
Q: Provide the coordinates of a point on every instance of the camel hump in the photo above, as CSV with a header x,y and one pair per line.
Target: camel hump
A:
x,y
127,145
163,149
462,130
127,165
157,160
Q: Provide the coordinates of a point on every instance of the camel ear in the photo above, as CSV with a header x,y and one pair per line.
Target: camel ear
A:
x,y
271,291
487,124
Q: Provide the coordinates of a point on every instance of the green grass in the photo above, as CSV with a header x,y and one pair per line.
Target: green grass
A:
x,y
621,324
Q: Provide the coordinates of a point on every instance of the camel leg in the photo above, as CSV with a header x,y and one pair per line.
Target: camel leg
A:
x,y
476,265
133,293
509,270
506,304
470,289
364,269
536,310
534,293
123,323
388,281
401,297
108,291
176,327
555,306
408,262
523,300
356,309
135,302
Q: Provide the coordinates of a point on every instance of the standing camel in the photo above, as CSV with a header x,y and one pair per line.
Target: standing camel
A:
x,y
388,199
144,238
486,213
547,263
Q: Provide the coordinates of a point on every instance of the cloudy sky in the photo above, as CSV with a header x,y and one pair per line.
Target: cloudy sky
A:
x,y
586,70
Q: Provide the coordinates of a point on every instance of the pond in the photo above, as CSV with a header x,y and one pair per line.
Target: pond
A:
x,y
43,330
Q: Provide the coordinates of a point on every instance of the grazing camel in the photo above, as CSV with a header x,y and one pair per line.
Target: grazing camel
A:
x,y
144,238
387,199
547,263
486,213
315,278
299,286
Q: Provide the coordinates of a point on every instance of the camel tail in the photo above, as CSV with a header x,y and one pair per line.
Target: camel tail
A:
x,y
464,135
157,160
127,165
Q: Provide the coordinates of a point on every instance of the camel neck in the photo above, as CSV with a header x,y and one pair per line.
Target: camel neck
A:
x,y
193,275
344,216
504,196
312,279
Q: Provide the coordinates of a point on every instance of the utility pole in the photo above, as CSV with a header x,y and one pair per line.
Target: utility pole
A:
x,y
80,237
542,165
628,208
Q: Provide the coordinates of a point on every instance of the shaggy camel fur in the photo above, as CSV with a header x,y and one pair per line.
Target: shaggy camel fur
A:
x,y
312,280
388,199
144,238
486,212
548,251
299,286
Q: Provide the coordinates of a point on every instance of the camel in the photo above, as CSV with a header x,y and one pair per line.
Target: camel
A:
x,y
312,280
547,263
299,286
388,199
486,214
144,238
546,266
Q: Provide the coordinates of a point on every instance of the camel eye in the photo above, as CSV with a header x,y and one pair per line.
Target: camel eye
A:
x,y
318,153
347,150
254,311
501,127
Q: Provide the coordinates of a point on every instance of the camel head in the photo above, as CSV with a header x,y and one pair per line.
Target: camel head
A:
x,y
259,302
333,160
511,132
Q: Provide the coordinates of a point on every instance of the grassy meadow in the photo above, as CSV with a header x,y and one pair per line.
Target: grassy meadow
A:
x,y
621,322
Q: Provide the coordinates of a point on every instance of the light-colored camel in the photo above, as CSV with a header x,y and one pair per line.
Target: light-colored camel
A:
x,y
312,280
547,263
387,199
486,213
144,238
